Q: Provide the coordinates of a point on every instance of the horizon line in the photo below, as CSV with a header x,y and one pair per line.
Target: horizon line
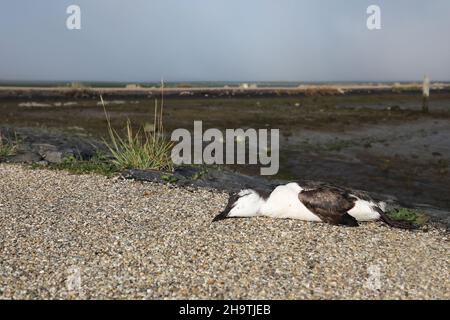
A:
x,y
8,81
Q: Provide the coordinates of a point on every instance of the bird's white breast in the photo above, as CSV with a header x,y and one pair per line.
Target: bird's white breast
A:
x,y
284,203
363,211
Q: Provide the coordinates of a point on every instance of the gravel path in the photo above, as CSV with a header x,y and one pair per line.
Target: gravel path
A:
x,y
69,236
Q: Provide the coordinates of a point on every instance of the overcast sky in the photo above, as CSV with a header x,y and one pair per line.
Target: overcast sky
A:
x,y
224,40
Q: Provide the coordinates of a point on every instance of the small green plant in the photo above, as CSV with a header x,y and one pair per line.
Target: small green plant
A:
x,y
410,215
8,147
169,178
144,149
99,163
199,174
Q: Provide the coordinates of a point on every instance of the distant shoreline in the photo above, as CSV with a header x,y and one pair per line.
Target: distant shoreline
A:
x,y
83,92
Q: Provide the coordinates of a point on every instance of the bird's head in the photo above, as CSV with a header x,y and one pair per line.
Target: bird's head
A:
x,y
246,203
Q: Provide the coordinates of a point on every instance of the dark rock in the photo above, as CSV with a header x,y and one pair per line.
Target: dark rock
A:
x,y
54,156
218,179
54,146
25,157
143,175
52,153
186,171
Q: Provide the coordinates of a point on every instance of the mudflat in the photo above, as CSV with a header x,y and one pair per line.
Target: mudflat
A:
x,y
378,141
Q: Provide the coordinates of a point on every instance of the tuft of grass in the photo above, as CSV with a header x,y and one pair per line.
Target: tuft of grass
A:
x,y
8,147
410,215
145,149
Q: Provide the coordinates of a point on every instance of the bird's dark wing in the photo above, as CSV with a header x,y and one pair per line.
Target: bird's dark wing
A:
x,y
330,204
363,195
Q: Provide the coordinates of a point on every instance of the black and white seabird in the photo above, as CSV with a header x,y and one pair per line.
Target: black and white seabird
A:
x,y
324,203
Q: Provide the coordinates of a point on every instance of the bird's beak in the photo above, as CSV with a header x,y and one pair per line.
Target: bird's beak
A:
x,y
221,216
231,202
